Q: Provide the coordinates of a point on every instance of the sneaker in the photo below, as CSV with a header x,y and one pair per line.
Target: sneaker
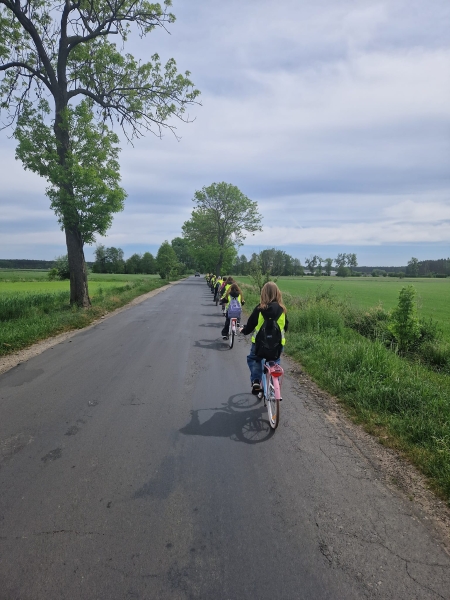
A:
x,y
256,387
224,337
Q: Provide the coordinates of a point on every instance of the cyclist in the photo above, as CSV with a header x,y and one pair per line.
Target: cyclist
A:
x,y
219,282
233,292
270,307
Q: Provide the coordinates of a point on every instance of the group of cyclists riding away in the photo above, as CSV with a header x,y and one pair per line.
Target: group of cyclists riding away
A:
x,y
267,323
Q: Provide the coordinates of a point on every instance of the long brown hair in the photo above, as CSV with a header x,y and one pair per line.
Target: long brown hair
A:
x,y
271,293
234,288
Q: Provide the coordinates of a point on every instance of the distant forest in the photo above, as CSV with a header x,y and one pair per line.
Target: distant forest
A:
x,y
24,263
415,267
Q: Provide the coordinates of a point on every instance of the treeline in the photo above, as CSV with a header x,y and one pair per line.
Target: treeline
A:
x,y
272,261
428,268
172,259
19,263
279,263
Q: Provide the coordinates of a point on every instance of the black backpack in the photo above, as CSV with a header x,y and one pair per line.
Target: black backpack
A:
x,y
268,339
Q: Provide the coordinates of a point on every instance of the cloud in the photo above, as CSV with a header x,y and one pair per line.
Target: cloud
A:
x,y
333,116
354,234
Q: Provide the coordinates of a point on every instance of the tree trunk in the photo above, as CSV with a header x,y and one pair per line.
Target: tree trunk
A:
x,y
77,265
79,294
219,265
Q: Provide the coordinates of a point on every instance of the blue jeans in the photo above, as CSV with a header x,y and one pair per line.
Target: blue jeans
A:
x,y
255,366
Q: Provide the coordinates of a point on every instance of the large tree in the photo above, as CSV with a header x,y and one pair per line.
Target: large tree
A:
x,y
61,50
219,223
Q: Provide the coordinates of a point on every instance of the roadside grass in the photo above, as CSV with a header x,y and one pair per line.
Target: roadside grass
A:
x,y
26,318
36,287
366,292
402,402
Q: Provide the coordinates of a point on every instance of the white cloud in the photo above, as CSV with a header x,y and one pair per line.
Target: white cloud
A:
x,y
355,234
333,116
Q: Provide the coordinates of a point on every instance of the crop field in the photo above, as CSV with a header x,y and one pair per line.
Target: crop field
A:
x,y
35,282
28,275
433,295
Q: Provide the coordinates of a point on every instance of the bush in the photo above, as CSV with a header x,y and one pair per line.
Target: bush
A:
x,y
404,322
61,265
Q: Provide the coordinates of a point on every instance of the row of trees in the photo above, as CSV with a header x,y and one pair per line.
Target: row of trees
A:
x,y
171,260
111,260
428,268
277,262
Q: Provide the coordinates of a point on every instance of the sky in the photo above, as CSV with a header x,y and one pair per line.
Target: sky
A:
x,y
334,115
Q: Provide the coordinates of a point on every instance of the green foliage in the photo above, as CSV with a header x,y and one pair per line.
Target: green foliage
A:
x,y
73,37
85,190
219,223
166,261
183,251
257,275
52,274
404,322
62,51
148,263
108,260
343,271
62,267
134,264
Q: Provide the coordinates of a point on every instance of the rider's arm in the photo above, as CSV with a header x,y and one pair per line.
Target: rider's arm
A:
x,y
252,322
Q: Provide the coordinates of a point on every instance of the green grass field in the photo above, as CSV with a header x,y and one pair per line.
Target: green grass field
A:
x,y
35,281
433,294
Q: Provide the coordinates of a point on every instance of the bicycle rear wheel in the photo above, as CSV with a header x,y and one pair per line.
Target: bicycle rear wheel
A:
x,y
231,337
273,403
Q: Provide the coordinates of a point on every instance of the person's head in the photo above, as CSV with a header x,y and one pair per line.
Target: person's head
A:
x,y
271,293
230,280
234,290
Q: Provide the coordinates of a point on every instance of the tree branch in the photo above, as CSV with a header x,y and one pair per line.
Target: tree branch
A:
x,y
14,7
18,64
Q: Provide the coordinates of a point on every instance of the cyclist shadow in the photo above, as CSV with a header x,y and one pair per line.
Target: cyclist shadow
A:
x,y
216,324
240,419
219,345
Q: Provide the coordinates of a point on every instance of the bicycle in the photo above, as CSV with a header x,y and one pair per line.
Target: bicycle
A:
x,y
271,380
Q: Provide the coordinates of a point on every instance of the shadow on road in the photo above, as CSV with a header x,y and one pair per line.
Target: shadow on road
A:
x,y
219,345
237,419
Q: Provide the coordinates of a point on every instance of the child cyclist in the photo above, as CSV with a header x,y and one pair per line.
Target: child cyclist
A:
x,y
232,292
270,307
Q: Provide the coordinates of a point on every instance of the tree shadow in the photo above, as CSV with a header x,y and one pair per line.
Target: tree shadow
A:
x,y
240,419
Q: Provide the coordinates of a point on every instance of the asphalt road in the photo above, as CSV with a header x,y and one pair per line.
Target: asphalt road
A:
x,y
136,464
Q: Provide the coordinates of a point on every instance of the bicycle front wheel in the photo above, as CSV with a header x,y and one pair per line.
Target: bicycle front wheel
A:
x,y
273,403
231,337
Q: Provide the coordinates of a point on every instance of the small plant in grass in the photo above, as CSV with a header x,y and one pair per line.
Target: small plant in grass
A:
x,y
258,277
53,274
404,323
